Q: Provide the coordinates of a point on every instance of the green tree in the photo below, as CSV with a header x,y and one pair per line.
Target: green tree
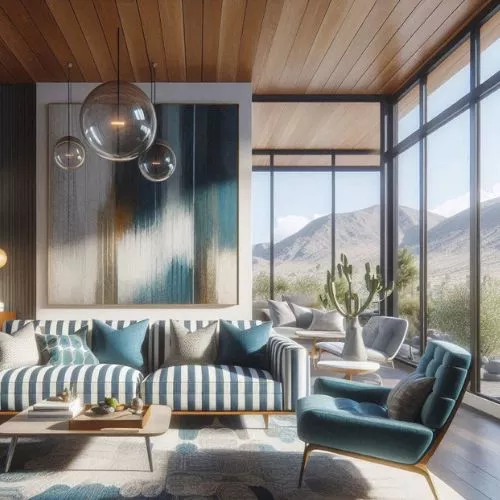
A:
x,y
407,270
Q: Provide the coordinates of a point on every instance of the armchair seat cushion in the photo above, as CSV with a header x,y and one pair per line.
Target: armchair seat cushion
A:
x,y
360,427
213,387
22,387
336,348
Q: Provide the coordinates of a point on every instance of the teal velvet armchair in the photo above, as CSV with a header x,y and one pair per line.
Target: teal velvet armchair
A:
x,y
350,418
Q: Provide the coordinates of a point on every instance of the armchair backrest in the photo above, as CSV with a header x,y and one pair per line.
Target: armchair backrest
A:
x,y
385,334
450,365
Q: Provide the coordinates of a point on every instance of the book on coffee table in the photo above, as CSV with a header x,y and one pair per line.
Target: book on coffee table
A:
x,y
55,409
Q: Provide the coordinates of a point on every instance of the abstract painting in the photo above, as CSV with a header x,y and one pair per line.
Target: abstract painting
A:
x,y
116,238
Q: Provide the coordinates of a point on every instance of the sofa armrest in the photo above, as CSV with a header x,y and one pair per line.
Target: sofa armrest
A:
x,y
289,364
357,391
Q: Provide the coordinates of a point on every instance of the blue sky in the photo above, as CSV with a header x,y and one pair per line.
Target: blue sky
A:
x,y
300,198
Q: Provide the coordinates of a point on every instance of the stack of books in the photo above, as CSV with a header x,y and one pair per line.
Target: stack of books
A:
x,y
56,410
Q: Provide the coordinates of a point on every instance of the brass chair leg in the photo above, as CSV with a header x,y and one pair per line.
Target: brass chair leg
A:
x,y
307,451
424,471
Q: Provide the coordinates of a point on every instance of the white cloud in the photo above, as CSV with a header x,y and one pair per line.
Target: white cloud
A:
x,y
456,205
290,224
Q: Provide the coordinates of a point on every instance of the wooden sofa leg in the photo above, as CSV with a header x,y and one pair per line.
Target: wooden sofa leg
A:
x,y
307,451
266,420
424,471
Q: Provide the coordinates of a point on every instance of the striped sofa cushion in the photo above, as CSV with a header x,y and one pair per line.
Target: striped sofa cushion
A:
x,y
213,387
160,338
22,387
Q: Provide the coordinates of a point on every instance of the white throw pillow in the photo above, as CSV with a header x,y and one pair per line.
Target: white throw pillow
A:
x,y
19,348
327,320
281,314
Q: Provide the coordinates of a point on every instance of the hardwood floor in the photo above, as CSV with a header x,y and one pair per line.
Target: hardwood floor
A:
x,y
468,459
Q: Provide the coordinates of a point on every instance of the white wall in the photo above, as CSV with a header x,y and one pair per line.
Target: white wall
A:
x,y
233,93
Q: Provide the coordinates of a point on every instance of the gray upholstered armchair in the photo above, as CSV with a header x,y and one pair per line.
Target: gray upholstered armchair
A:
x,y
383,337
352,419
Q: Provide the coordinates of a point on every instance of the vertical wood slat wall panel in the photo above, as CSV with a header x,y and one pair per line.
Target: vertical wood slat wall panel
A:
x,y
18,197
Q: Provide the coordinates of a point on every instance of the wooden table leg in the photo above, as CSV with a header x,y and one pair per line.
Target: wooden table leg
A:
x,y
10,453
150,455
313,352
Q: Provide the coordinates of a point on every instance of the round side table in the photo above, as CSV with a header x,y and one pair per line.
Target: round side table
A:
x,y
350,368
318,335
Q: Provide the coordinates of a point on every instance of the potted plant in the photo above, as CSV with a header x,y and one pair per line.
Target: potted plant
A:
x,y
354,347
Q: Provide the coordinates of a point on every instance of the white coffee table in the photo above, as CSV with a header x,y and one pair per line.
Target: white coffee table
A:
x,y
318,335
22,426
350,368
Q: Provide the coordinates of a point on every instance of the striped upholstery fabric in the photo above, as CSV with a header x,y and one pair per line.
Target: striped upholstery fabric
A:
x,y
289,364
223,388
213,387
22,387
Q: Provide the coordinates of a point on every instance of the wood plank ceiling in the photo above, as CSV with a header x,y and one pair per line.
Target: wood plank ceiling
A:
x,y
281,46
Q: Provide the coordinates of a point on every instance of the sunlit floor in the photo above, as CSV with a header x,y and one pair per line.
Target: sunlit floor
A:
x,y
468,459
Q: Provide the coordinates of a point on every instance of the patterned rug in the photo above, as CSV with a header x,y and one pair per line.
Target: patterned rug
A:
x,y
200,457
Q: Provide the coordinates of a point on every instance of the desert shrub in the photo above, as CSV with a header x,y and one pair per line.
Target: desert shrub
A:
x,y
450,314
409,308
307,285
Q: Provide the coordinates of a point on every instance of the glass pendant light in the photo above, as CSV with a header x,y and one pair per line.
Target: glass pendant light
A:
x,y
158,163
118,119
69,151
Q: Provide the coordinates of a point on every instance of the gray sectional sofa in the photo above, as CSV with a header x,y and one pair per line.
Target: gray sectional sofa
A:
x,y
185,388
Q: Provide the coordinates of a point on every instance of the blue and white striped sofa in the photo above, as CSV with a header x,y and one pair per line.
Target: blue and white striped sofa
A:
x,y
186,388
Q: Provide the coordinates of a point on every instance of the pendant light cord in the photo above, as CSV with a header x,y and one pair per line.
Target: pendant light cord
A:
x,y
118,89
69,98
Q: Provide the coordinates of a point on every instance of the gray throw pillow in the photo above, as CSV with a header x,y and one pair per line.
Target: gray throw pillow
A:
x,y
192,348
19,348
406,399
327,320
303,315
281,314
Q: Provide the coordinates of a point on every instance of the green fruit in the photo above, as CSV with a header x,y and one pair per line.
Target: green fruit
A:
x,y
113,402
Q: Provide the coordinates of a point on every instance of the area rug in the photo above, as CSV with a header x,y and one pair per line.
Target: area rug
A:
x,y
200,457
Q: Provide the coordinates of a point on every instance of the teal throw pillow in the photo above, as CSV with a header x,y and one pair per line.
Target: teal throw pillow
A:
x,y
66,349
124,346
244,347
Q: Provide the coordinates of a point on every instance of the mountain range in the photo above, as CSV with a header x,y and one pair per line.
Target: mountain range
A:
x,y
308,251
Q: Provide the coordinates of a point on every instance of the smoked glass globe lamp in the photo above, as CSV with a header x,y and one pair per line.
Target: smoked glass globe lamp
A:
x,y
118,121
69,153
158,163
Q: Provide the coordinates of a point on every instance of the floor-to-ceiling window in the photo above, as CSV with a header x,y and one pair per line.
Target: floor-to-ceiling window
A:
x,y
316,193
446,155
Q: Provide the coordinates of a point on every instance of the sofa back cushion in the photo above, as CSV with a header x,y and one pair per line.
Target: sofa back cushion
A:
x,y
449,365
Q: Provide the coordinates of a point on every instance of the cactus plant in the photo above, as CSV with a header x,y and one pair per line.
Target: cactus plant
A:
x,y
352,306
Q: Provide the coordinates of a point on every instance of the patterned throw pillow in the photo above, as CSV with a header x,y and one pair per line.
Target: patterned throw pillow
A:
x,y
198,347
66,349
19,348
406,399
